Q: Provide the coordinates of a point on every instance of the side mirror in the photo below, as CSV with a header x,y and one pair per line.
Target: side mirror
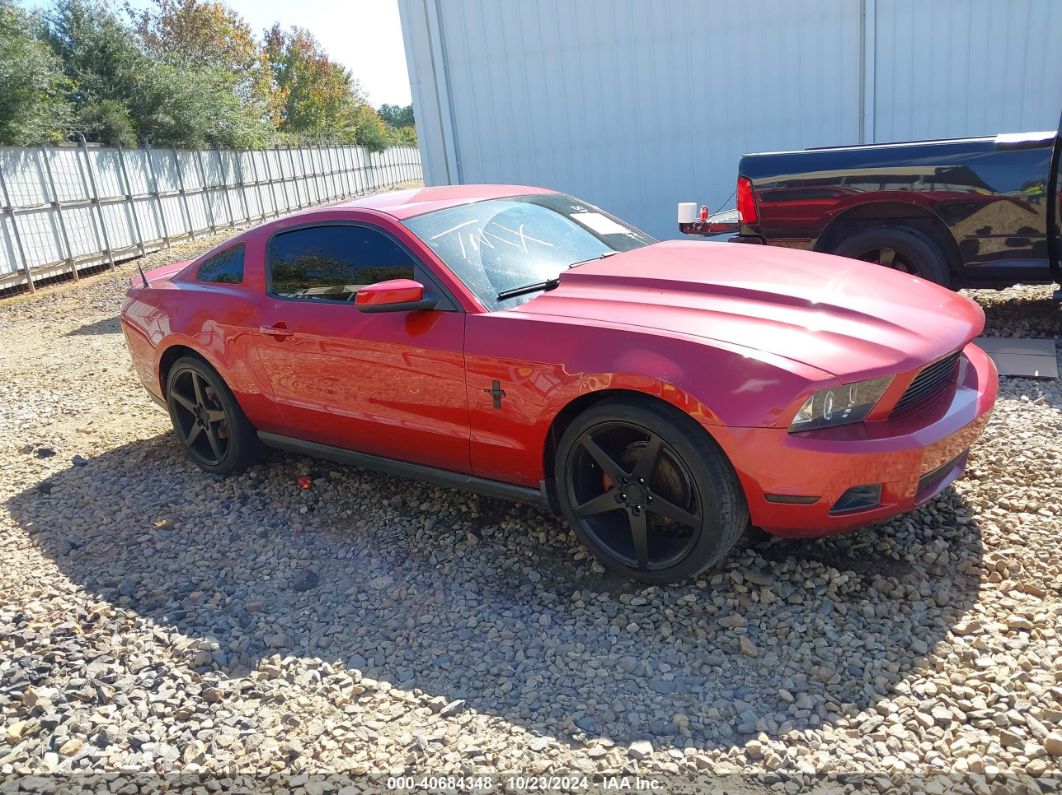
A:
x,y
395,295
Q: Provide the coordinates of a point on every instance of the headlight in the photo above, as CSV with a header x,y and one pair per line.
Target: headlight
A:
x,y
848,403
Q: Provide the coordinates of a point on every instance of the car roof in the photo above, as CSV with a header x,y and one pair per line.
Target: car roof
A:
x,y
403,204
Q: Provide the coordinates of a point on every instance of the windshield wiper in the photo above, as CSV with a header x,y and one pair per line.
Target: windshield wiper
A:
x,y
593,259
549,284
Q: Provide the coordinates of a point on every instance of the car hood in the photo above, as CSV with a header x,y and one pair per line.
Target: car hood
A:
x,y
848,318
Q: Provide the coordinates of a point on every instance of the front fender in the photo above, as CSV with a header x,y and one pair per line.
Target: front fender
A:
x,y
716,384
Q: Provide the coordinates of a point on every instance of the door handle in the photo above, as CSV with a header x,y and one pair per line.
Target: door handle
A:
x,y
278,331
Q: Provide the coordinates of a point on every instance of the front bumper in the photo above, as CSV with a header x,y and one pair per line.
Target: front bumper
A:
x,y
913,458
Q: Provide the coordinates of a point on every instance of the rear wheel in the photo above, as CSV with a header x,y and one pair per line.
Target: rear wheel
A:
x,y
648,491
900,248
209,423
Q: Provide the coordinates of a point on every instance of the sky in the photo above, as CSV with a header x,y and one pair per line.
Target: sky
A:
x,y
363,35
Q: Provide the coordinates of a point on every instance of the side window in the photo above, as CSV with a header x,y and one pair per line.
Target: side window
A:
x,y
331,263
223,268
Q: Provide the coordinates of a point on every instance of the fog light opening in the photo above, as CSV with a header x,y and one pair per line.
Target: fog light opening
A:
x,y
858,498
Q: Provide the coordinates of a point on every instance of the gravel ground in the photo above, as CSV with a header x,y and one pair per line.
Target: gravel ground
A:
x,y
156,619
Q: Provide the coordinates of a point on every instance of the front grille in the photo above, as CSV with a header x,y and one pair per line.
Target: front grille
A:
x,y
929,383
932,479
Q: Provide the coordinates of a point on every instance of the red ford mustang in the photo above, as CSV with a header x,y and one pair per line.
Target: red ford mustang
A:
x,y
528,345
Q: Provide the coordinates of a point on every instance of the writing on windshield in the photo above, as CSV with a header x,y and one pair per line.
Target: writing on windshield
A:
x,y
497,245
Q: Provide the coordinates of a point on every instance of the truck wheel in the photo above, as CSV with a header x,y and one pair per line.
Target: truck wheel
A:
x,y
901,248
648,491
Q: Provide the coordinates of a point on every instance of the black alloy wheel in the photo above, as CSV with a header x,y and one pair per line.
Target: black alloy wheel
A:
x,y
651,496
200,418
209,423
634,495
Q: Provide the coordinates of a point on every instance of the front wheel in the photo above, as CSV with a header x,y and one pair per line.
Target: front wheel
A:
x,y
648,491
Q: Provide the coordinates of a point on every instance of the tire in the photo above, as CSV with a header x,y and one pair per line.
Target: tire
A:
x,y
901,248
209,423
687,498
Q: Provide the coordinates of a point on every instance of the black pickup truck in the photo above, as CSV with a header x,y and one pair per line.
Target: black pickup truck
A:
x,y
962,212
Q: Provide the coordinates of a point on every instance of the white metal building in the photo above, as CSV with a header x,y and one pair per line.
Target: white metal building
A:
x,y
638,104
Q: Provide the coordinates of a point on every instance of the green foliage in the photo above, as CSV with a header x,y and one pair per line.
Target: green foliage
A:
x,y
399,121
368,130
124,95
319,101
206,38
396,116
403,136
33,106
185,73
108,122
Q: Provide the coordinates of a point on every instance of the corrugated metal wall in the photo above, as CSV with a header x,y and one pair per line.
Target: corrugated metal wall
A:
x,y
965,67
638,105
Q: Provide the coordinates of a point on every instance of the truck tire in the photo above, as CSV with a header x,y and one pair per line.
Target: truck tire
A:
x,y
901,248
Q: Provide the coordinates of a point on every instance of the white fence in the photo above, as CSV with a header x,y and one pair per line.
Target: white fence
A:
x,y
68,208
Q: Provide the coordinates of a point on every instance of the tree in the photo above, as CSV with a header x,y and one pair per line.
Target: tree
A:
x,y
404,136
185,73
196,35
113,85
113,79
319,100
314,92
397,116
399,121
33,106
107,121
104,69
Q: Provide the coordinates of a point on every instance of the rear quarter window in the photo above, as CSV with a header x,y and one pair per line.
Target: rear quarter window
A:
x,y
225,267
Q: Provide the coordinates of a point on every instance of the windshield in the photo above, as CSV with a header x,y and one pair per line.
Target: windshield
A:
x,y
501,244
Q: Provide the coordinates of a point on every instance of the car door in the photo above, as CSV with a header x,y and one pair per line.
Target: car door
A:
x,y
390,384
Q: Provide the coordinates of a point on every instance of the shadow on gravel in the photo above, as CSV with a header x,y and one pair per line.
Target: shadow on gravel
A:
x,y
467,598
1007,315
109,326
